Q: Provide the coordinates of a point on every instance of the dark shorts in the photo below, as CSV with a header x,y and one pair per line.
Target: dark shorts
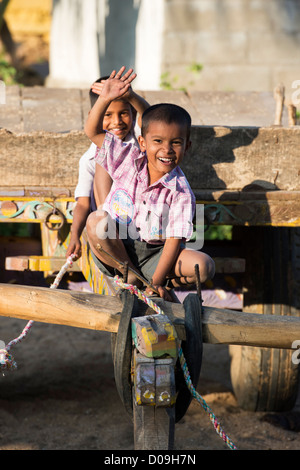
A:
x,y
144,256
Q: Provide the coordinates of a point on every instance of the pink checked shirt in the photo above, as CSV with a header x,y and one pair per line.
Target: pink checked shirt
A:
x,y
152,213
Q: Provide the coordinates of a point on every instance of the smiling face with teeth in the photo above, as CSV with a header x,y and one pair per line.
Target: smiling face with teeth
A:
x,y
165,146
118,119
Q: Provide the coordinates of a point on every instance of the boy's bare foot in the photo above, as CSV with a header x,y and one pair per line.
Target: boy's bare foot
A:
x,y
132,279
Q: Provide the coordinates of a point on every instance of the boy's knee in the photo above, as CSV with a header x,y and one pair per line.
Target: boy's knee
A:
x,y
209,268
90,223
94,220
100,225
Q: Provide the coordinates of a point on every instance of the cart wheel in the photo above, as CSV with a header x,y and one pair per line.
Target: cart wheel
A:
x,y
192,349
154,426
122,350
266,379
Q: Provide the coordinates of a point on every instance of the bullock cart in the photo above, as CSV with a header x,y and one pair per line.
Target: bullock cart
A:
x,y
245,176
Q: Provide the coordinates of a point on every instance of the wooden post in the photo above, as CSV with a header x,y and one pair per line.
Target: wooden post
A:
x,y
292,114
279,98
101,312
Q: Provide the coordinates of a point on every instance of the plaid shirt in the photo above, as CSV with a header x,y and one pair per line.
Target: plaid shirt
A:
x,y
151,213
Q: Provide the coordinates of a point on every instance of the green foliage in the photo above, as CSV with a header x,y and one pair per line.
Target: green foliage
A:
x,y
195,67
218,232
11,229
8,74
169,81
165,82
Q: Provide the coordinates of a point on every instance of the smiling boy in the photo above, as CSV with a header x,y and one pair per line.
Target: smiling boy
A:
x,y
150,196
90,193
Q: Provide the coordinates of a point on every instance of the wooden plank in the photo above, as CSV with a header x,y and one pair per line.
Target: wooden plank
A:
x,y
154,396
101,312
48,159
247,212
233,158
278,208
38,263
36,209
52,263
30,192
220,158
153,427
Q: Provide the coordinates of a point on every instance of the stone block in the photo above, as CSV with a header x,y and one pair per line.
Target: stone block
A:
x,y
273,49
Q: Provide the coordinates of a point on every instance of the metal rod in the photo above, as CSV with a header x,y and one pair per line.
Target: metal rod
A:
x,y
198,283
125,273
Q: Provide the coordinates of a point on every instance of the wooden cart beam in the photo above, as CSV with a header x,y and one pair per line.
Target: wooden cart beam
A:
x,y
102,312
54,263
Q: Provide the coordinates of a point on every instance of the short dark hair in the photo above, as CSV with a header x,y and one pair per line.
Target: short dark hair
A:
x,y
94,96
167,113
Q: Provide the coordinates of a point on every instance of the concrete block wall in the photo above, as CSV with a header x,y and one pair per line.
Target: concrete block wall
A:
x,y
242,45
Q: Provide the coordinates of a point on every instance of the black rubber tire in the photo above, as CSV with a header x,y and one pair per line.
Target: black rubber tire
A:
x,y
266,379
122,350
192,349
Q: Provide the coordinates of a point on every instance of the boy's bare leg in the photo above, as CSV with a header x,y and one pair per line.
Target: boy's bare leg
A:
x,y
99,226
183,272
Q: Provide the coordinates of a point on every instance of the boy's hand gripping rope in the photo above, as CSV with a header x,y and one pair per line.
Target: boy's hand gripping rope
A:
x,y
195,394
7,361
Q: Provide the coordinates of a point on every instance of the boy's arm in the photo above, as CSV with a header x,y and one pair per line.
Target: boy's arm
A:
x,y
165,264
80,215
114,87
139,104
102,185
93,126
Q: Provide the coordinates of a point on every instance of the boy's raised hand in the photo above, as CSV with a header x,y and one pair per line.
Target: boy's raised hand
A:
x,y
97,87
117,84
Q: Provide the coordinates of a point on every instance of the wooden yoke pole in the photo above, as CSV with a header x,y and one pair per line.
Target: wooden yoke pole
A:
x,y
102,312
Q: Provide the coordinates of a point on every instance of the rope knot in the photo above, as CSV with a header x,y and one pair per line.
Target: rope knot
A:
x,y
132,289
7,361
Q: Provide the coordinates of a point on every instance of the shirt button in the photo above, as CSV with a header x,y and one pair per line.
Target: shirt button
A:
x,y
144,202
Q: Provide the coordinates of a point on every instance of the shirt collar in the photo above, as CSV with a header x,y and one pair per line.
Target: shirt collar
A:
x,y
169,180
140,164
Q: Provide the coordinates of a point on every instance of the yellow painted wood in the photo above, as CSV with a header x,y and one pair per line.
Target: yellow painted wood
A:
x,y
37,263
